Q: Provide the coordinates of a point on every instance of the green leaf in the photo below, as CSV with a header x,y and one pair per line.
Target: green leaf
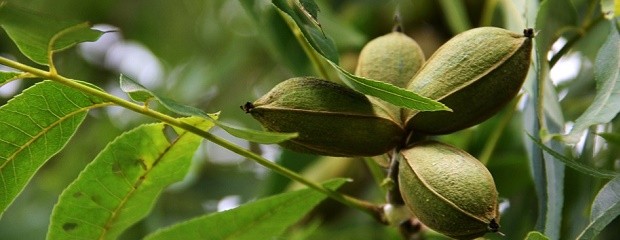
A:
x,y
534,235
455,14
8,76
387,92
38,35
255,135
135,91
321,43
35,125
606,104
390,93
277,38
140,93
548,172
611,138
120,186
606,208
266,218
599,173
310,7
554,17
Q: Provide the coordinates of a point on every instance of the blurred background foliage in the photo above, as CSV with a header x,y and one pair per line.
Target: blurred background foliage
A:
x,y
213,55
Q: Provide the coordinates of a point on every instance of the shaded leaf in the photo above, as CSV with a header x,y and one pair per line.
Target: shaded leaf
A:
x,y
321,43
33,32
266,218
554,17
310,7
277,38
140,93
548,172
554,174
606,104
35,125
8,76
387,92
534,235
455,14
120,186
574,163
611,138
606,208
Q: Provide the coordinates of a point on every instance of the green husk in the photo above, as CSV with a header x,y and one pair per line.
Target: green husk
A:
x,y
449,191
476,73
393,58
331,119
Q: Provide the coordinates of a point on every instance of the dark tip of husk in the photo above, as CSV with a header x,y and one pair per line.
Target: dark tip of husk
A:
x,y
529,32
247,107
493,226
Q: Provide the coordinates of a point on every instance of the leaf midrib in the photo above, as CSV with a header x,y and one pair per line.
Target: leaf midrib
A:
x,y
116,212
42,133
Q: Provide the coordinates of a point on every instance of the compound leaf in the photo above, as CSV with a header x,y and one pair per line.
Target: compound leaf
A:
x,y
35,125
120,186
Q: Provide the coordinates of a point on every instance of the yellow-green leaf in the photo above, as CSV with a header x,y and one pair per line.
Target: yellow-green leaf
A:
x,y
120,186
266,218
35,125
38,35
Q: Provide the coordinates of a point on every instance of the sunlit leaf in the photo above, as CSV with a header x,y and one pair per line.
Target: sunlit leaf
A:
x,y
606,208
120,186
573,163
135,91
608,8
140,93
606,104
35,125
266,218
33,32
387,92
534,235
255,135
8,76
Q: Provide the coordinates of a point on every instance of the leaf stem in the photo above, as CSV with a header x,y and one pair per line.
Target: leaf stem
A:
x,y
309,50
362,205
393,195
